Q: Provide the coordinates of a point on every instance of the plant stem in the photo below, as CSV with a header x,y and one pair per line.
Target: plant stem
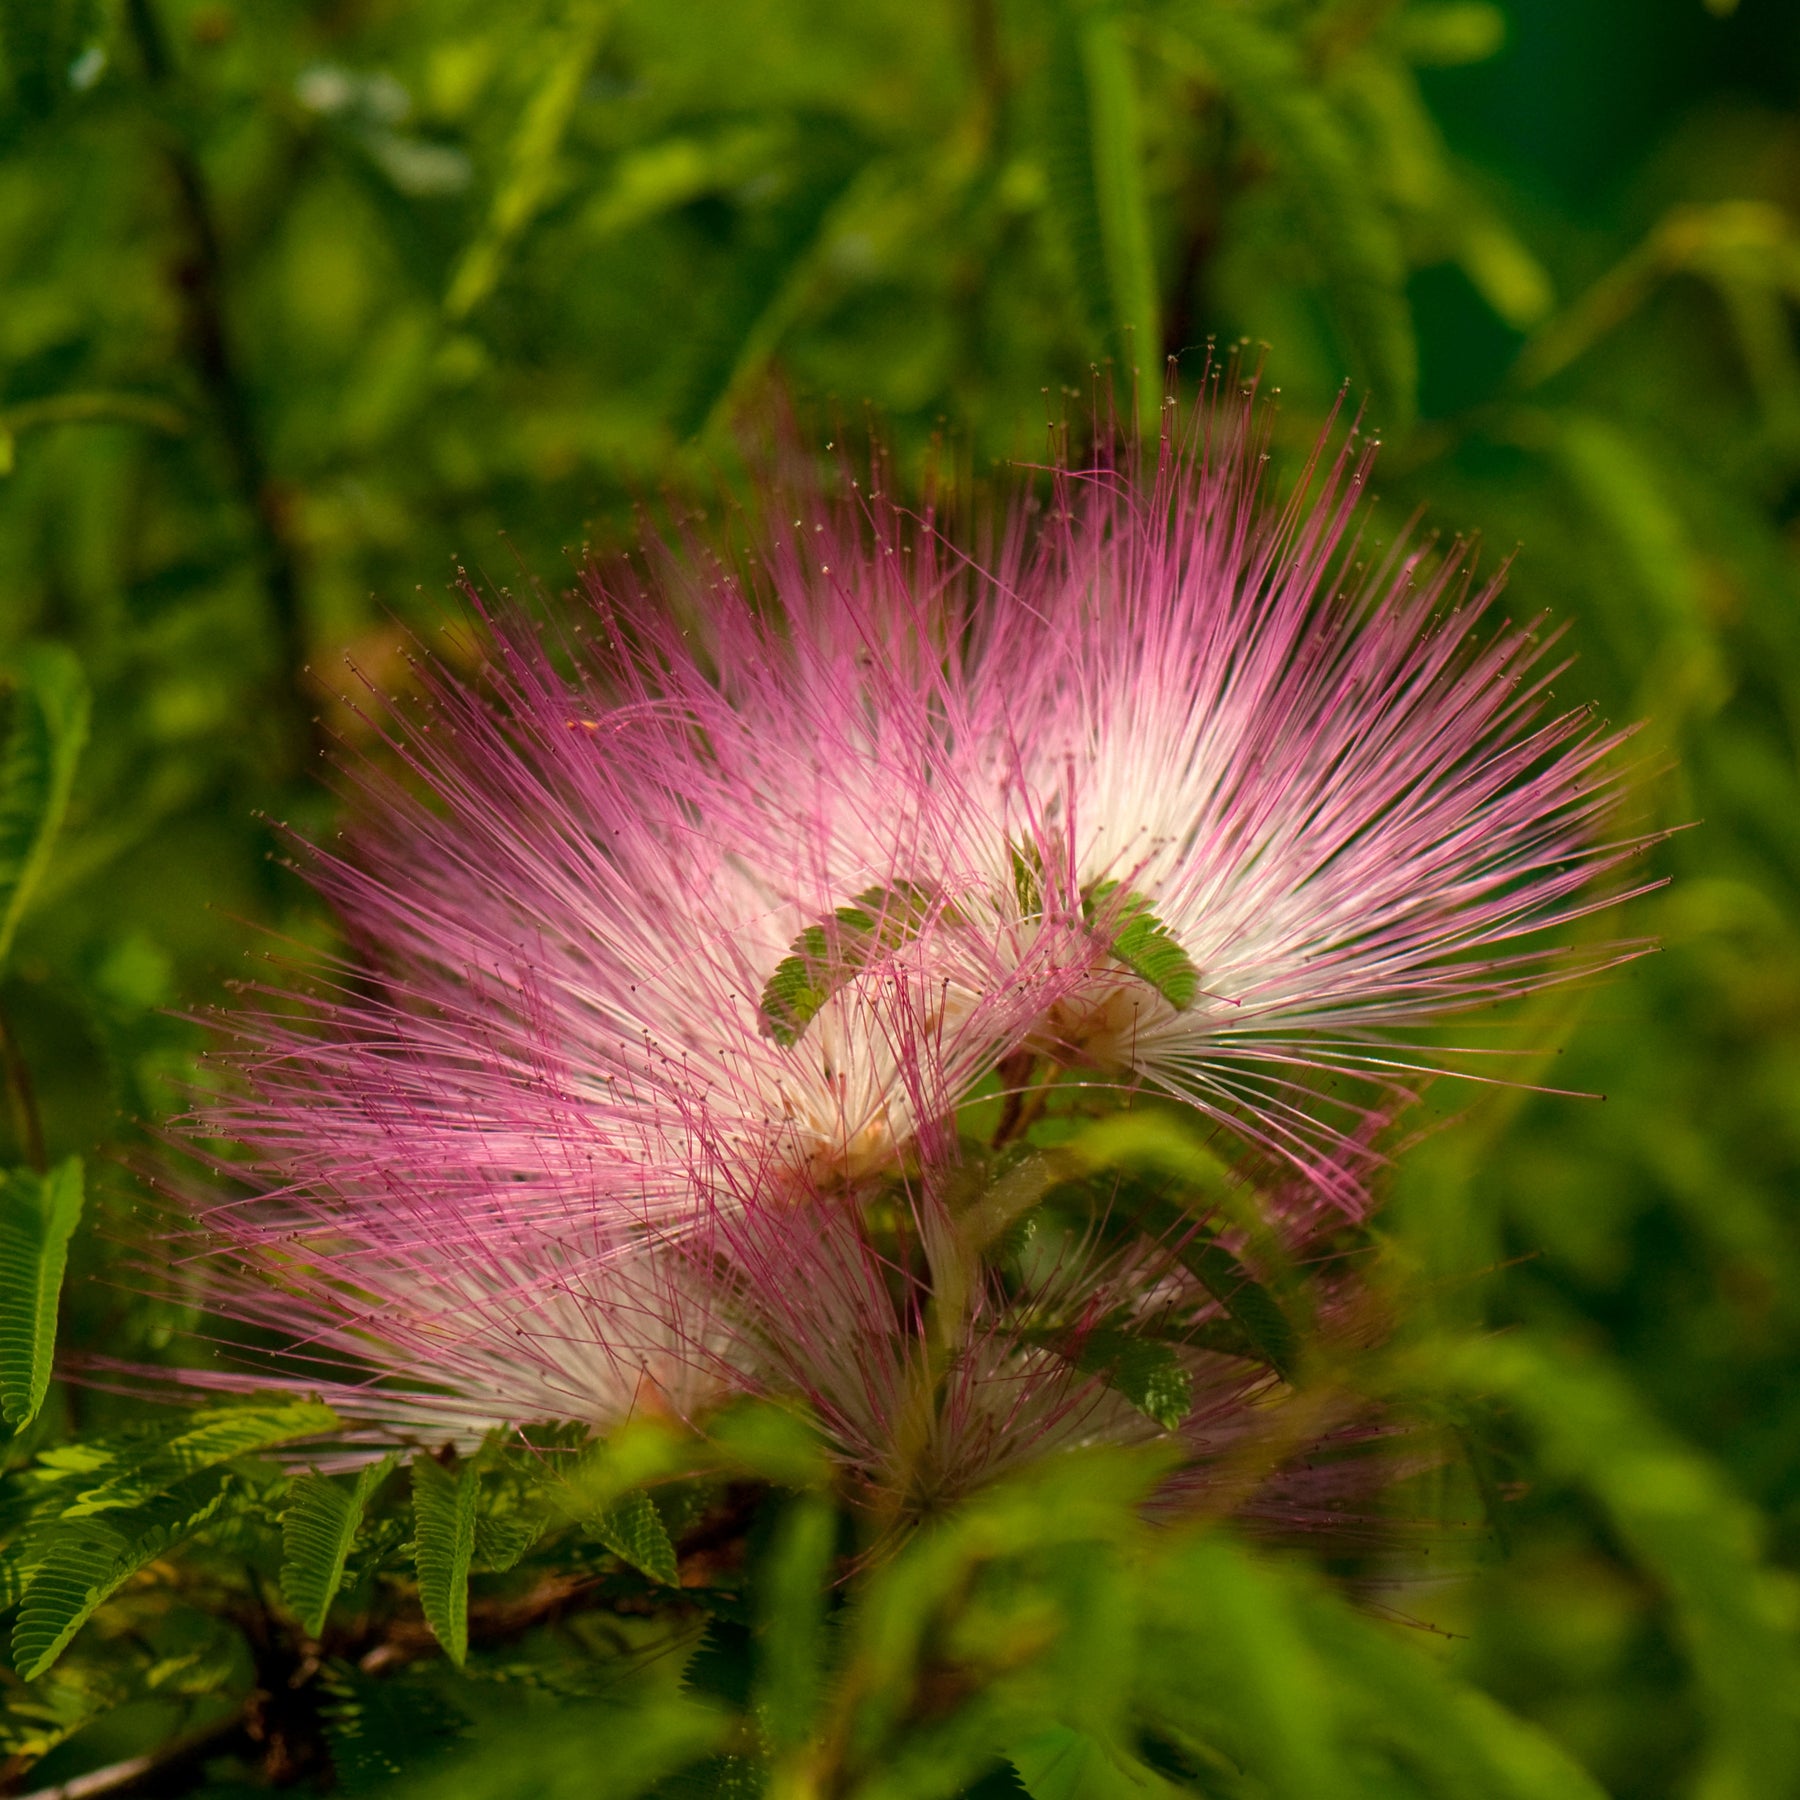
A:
x,y
24,1097
199,279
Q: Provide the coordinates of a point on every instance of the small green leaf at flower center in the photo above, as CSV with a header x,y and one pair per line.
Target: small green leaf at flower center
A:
x,y
1142,942
825,956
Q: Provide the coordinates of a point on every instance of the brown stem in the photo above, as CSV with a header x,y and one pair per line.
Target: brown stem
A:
x,y
200,282
990,66
24,1096
1024,1099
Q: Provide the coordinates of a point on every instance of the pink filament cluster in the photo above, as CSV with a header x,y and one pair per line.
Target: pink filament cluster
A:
x,y
536,1149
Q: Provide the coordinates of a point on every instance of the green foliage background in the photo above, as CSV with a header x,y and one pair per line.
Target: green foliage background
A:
x,y
310,303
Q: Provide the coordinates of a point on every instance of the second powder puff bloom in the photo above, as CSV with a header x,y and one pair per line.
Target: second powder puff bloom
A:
x,y
1291,806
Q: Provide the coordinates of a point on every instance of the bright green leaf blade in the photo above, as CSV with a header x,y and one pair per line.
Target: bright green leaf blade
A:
x,y
1355,242
84,1561
45,736
443,1547
1153,955
632,1528
793,1584
317,1531
38,1215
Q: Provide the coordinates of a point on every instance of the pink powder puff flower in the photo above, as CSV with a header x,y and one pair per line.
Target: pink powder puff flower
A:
x,y
640,933
677,945
1287,808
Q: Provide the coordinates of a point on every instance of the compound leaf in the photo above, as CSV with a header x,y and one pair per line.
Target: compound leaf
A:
x,y
82,1562
632,1528
317,1531
1143,943
38,1215
827,955
137,1473
443,1547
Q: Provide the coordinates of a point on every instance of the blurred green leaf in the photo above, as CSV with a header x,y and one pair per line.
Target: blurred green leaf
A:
x,y
1064,1764
632,1528
1094,160
531,168
1358,253
779,232
1688,1529
794,1583
771,1444
1448,33
46,733
382,1728
613,1752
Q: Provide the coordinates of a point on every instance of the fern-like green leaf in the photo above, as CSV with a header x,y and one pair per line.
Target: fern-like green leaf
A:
x,y
632,1529
44,740
200,1441
1095,167
1143,943
827,955
38,1215
443,1547
317,1530
81,1562
499,1543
